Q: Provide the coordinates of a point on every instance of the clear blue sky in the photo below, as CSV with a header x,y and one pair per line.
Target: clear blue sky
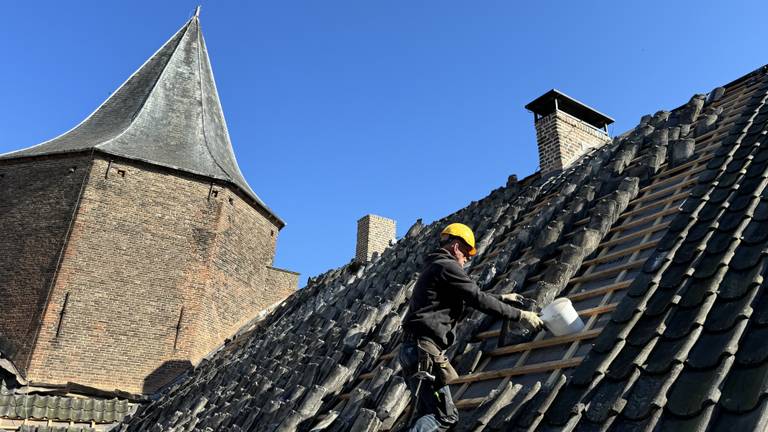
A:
x,y
401,108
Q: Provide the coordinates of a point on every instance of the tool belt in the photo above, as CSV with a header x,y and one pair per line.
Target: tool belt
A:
x,y
432,360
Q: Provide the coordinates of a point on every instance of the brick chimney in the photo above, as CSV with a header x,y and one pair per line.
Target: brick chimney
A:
x,y
374,233
566,129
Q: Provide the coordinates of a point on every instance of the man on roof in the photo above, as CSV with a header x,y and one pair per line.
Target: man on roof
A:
x,y
439,298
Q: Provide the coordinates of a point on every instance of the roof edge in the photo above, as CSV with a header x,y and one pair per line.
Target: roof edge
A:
x,y
254,200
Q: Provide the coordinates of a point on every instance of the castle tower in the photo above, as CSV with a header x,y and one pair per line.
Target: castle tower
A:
x,y
132,244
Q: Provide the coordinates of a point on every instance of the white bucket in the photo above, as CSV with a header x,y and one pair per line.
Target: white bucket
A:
x,y
561,318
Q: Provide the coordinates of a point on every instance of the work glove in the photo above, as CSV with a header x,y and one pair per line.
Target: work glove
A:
x,y
512,298
531,319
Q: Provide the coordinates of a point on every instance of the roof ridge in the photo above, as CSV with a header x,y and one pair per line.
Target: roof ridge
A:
x,y
199,37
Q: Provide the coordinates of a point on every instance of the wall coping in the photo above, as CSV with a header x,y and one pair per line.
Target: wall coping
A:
x,y
284,270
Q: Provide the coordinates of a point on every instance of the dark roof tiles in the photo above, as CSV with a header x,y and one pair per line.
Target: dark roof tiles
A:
x,y
712,346
744,387
695,389
668,352
755,350
628,360
676,329
61,408
752,420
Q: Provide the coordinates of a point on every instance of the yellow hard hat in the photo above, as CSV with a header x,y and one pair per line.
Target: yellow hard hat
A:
x,y
463,232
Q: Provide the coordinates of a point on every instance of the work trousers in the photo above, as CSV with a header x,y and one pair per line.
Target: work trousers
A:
x,y
435,410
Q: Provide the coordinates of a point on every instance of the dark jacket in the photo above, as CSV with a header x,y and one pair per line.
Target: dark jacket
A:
x,y
440,296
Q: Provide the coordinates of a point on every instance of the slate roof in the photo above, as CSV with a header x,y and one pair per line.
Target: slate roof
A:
x,y
656,239
168,113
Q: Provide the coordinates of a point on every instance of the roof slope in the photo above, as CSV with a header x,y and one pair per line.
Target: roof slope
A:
x,y
653,237
167,113
16,406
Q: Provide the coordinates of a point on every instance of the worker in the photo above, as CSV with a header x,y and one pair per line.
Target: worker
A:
x,y
437,303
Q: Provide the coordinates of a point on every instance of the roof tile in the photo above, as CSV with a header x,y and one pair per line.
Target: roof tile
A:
x,y
711,347
753,420
744,387
695,389
648,393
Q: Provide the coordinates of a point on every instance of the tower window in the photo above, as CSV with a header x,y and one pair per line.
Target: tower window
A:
x,y
178,329
61,314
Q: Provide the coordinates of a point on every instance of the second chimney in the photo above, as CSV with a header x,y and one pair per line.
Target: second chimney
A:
x,y
566,129
374,233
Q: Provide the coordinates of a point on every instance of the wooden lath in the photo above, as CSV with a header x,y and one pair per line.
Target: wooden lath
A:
x,y
607,272
520,370
544,343
599,291
620,254
635,235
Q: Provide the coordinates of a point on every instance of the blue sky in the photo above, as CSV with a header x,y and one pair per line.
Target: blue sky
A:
x,y
404,109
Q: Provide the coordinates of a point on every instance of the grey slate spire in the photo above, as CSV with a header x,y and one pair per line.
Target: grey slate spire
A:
x,y
167,113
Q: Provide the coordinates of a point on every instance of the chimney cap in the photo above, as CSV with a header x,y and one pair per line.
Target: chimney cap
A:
x,y
555,99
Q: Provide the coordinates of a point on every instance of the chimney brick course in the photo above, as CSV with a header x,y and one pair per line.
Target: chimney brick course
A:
x,y
374,234
563,138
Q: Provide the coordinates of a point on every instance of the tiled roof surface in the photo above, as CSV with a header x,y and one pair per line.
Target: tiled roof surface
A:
x,y
72,428
655,238
15,405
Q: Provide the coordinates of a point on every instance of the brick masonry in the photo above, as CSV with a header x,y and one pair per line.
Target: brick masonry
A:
x,y
563,138
37,202
277,277
158,269
374,234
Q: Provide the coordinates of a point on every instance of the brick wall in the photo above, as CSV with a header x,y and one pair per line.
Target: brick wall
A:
x,y
37,202
563,138
281,282
158,270
374,233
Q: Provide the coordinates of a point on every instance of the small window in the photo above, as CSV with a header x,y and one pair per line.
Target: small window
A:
x,y
178,329
62,312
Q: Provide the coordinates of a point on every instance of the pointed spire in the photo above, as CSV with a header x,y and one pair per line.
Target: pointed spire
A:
x,y
197,11
167,113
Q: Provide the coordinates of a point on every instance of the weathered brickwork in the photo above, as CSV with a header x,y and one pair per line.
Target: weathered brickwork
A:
x,y
374,234
563,138
37,202
159,268
281,282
